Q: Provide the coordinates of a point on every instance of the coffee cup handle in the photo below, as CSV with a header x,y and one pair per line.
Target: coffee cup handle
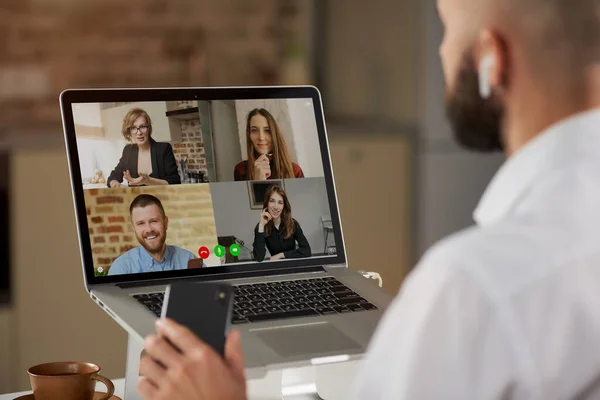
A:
x,y
110,388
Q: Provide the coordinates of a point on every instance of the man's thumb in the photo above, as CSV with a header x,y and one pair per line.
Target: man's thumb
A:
x,y
234,354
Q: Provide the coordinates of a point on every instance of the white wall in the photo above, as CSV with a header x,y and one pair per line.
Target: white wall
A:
x,y
87,114
234,217
306,137
98,154
225,139
278,108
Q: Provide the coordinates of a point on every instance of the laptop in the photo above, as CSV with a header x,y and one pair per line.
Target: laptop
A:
x,y
230,184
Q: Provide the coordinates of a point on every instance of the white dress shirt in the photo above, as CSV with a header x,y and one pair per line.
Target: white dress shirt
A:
x,y
508,308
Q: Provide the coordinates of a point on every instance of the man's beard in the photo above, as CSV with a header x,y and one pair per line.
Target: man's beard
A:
x,y
475,121
154,248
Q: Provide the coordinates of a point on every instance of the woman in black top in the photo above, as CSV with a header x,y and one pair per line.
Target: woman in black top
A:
x,y
145,161
277,230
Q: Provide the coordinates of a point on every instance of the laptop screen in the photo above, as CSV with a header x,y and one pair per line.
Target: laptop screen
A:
x,y
196,184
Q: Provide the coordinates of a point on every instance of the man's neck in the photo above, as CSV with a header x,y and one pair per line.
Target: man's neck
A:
x,y
537,108
158,257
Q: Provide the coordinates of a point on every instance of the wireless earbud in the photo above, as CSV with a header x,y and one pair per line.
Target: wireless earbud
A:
x,y
485,66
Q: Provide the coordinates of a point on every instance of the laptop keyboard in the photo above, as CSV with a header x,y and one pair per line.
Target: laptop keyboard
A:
x,y
286,299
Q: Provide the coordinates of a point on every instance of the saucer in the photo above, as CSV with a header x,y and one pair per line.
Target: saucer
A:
x,y
97,395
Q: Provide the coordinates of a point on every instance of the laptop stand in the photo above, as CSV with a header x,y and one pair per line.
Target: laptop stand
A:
x,y
328,381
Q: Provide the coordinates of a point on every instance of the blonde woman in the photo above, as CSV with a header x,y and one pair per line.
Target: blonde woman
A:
x,y
144,161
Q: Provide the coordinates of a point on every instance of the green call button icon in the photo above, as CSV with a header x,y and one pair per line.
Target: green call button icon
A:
x,y
219,251
234,249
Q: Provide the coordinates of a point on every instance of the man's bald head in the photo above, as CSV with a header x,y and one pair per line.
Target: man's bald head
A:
x,y
560,35
539,55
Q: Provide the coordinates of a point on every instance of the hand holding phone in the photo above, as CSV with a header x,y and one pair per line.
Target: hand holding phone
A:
x,y
204,308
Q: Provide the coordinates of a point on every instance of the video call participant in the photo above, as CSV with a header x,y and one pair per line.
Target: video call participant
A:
x,y
150,225
277,230
145,161
268,156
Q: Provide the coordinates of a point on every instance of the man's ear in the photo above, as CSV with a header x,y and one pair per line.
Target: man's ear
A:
x,y
166,222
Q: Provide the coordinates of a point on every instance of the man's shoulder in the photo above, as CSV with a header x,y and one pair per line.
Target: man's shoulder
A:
x,y
478,244
125,262
127,256
507,256
182,252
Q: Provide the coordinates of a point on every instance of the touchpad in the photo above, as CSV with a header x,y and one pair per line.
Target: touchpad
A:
x,y
298,340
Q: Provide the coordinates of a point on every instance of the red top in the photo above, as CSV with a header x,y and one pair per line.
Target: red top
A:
x,y
240,173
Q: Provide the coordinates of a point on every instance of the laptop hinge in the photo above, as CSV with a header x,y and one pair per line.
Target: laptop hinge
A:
x,y
227,276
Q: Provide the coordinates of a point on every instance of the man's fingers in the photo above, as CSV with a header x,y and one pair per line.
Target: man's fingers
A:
x,y
151,370
146,388
234,354
157,348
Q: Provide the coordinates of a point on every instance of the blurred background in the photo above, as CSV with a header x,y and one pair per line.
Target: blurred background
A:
x,y
402,182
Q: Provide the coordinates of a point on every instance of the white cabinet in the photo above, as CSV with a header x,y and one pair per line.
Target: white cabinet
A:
x,y
373,175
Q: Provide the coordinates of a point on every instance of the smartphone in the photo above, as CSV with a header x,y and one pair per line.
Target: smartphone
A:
x,y
204,308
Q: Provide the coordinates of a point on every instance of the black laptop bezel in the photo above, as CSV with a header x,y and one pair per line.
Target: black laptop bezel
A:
x,y
73,96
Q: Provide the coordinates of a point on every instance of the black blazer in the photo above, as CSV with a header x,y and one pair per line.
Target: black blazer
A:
x,y
164,165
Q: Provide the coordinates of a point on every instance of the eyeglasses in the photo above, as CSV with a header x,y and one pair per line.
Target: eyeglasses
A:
x,y
134,129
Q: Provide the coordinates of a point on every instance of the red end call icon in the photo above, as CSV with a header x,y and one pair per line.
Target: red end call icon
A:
x,y
203,252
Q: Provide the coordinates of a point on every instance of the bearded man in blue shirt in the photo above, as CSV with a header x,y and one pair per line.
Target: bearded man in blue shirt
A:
x,y
150,224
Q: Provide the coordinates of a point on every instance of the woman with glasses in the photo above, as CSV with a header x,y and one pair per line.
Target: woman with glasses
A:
x,y
144,161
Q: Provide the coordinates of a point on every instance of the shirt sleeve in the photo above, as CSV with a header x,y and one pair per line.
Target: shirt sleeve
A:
x,y
298,173
303,249
441,338
117,173
186,256
120,266
239,172
258,247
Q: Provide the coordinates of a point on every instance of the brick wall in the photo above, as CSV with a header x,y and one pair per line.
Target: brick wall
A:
x,y
188,207
49,45
191,144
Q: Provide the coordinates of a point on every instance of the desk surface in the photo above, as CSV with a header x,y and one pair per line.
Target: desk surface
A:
x,y
120,389
257,390
299,383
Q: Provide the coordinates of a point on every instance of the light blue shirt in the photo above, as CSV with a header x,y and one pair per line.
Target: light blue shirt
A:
x,y
138,260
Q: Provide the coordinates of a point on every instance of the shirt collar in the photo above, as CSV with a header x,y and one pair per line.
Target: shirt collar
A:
x,y
561,143
148,260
